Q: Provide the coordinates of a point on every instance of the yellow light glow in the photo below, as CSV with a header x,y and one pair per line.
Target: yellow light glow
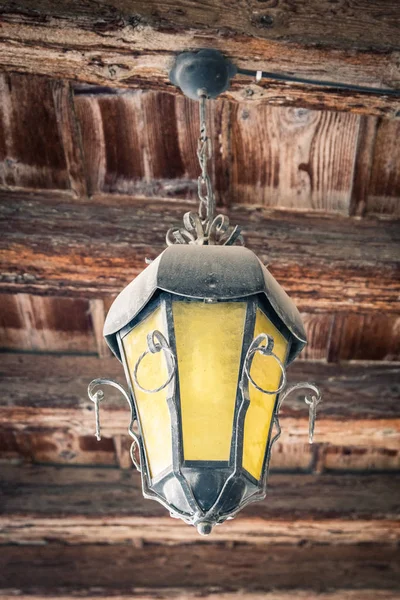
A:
x,y
153,410
267,374
209,340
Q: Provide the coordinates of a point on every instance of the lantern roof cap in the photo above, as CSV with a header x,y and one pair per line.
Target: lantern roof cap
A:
x,y
204,272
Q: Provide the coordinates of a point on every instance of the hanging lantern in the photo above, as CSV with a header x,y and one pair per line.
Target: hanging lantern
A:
x,y
204,334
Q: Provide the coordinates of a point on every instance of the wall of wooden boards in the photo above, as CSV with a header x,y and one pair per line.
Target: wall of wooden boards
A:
x,y
144,143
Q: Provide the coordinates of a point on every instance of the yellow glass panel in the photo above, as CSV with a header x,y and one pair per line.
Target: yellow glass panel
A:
x,y
209,340
267,374
153,410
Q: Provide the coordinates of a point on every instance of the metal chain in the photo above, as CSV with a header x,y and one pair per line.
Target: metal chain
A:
x,y
204,153
204,228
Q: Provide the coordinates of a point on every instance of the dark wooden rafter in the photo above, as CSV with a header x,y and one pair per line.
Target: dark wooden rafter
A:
x,y
125,44
144,144
42,492
49,517
56,567
97,247
354,432
188,593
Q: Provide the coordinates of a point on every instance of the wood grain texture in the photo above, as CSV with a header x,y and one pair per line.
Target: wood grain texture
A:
x,y
75,531
96,248
40,491
293,158
384,182
31,148
60,446
145,144
318,568
207,594
363,164
113,44
323,524
365,337
347,520
352,390
70,136
36,323
318,328
45,415
98,314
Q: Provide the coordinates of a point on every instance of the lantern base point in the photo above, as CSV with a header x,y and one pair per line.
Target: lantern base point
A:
x,y
204,528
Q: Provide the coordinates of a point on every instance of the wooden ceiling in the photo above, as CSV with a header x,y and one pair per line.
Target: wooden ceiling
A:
x,y
97,161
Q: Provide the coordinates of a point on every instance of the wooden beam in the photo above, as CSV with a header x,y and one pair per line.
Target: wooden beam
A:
x,y
51,491
358,423
49,516
120,567
49,246
132,45
74,531
45,416
206,594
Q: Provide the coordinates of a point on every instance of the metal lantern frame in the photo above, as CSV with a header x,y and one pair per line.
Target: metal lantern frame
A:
x,y
182,273
203,264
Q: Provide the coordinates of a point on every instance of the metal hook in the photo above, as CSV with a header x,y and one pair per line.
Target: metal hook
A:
x,y
311,402
98,396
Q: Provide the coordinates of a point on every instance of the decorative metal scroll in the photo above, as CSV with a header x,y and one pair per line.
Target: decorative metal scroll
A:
x,y
264,344
155,343
266,350
98,396
204,228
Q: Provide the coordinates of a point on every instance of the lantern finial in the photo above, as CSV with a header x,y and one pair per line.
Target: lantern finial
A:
x,y
204,528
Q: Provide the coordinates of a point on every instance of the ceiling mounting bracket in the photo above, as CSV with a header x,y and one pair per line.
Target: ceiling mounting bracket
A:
x,y
204,73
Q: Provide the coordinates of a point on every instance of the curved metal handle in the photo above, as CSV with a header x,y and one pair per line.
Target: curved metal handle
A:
x,y
264,344
155,343
265,349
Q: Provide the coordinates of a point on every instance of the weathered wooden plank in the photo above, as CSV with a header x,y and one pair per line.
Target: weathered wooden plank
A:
x,y
365,391
117,530
45,415
384,183
337,449
145,144
31,149
98,315
268,567
96,248
120,45
318,327
356,459
41,491
365,337
293,158
58,446
49,324
42,504
206,594
363,164
70,135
